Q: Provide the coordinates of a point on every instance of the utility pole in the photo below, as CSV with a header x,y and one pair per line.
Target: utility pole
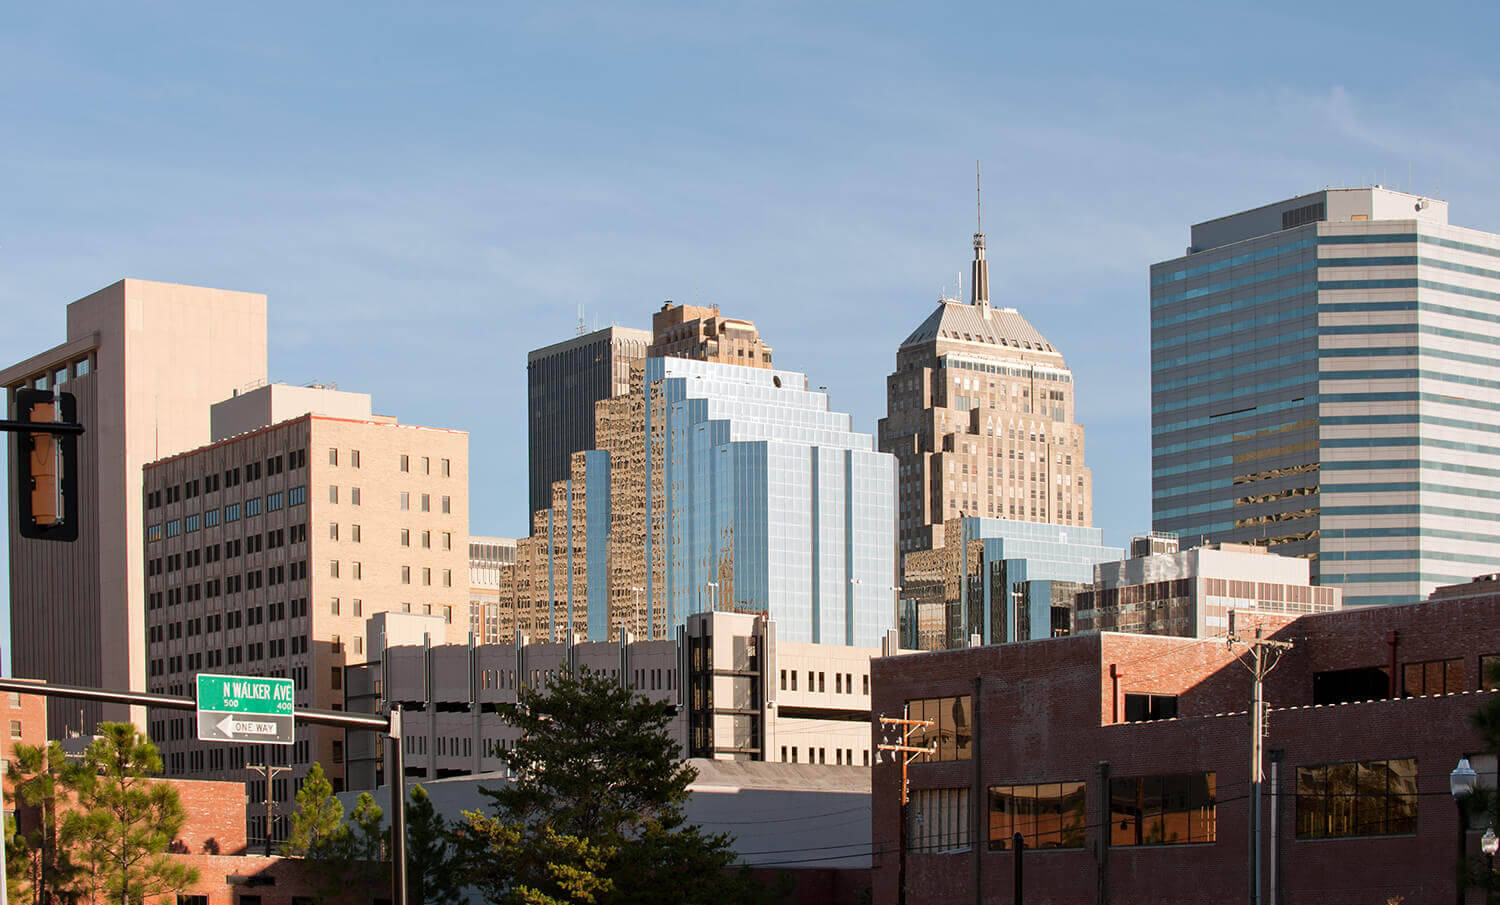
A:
x,y
1264,655
907,753
270,802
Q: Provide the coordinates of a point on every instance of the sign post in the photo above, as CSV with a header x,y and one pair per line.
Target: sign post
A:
x,y
256,709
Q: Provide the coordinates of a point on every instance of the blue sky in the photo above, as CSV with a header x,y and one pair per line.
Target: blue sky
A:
x,y
427,191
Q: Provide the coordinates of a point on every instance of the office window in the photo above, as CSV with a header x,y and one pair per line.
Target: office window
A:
x,y
405,534
448,614
1433,677
447,578
952,729
447,540
426,576
405,463
447,505
333,606
426,465
426,502
406,574
1047,815
783,688
358,571
353,496
359,607
938,820
333,493
354,533
333,568
1489,672
15,728
333,457
426,540
447,468
1140,708
1178,809
333,530
405,501
1361,798
354,458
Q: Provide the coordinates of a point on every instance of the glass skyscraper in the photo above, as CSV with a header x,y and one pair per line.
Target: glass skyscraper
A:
x,y
1325,383
771,503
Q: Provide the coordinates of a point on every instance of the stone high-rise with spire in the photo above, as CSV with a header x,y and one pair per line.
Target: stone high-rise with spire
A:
x,y
979,415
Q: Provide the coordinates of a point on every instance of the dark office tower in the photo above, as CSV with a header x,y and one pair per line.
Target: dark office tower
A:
x,y
563,381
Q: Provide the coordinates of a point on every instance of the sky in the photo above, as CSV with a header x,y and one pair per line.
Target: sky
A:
x,y
427,191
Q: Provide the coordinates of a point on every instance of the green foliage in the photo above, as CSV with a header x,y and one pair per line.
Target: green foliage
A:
x,y
124,821
20,881
39,776
351,851
595,813
431,862
318,829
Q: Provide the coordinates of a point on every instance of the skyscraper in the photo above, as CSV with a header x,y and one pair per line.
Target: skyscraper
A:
x,y
145,361
980,417
1324,382
563,381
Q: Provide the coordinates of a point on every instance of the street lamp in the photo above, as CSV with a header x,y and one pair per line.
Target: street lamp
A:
x,y
1461,783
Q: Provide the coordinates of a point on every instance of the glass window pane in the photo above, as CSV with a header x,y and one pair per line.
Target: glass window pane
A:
x,y
1124,812
1401,811
1176,824
1341,797
945,729
963,724
1312,818
1369,805
1453,681
1411,683
1001,822
1074,814
1048,816
1433,682
1152,829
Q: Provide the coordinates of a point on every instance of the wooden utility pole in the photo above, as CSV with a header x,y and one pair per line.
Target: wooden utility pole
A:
x,y
1264,655
907,753
270,802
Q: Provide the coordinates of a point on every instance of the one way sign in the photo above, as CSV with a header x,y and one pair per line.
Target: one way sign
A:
x,y
245,709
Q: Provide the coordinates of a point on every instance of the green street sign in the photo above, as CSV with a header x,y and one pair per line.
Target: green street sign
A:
x,y
255,709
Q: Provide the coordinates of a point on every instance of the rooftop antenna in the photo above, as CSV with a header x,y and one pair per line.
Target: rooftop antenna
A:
x,y
583,326
979,284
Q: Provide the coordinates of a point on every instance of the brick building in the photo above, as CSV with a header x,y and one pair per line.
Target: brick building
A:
x,y
1064,740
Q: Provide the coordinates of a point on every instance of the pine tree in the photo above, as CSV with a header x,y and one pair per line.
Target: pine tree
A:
x,y
124,821
318,829
595,812
38,775
431,864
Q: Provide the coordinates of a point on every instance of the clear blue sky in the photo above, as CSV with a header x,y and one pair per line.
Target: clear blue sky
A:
x,y
426,191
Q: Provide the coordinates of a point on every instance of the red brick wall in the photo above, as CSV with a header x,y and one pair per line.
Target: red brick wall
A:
x,y
215,816
1043,715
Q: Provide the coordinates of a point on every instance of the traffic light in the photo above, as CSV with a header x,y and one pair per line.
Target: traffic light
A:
x,y
47,479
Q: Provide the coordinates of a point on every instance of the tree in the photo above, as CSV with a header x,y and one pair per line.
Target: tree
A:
x,y
124,821
431,864
318,829
595,812
39,775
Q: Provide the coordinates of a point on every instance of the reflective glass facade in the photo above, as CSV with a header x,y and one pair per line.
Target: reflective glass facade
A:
x,y
771,504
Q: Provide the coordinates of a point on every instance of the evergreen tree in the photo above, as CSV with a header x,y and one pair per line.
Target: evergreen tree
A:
x,y
595,812
431,865
38,775
318,829
124,821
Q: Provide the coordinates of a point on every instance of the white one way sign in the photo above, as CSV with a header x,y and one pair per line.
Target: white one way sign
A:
x,y
245,709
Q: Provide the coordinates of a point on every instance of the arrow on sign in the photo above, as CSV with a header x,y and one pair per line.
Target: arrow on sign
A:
x,y
232,726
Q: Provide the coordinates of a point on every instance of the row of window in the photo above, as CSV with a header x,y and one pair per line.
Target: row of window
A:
x,y
230,513
445,466
817,682
187,490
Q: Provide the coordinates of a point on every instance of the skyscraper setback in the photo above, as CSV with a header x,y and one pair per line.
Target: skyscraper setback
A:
x,y
1324,382
980,417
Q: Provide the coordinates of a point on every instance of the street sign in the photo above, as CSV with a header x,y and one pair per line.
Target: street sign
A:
x,y
245,709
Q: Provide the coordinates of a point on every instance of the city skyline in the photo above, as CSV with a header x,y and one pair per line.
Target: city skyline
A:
x,y
793,166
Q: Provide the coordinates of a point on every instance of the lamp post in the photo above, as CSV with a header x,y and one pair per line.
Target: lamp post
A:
x,y
1489,843
1461,783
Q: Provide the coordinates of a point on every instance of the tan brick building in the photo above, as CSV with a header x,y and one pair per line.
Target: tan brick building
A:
x,y
980,415
267,550
700,332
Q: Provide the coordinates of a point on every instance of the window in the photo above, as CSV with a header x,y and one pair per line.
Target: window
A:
x,y
952,731
1047,815
252,506
1362,798
405,501
447,505
333,493
333,568
359,607
232,512
1489,672
405,535
333,457
1433,677
426,502
333,530
447,468
426,540
359,570
333,606
1179,809
1140,708
448,578
426,465
354,533
426,576
447,540
273,501
15,728
406,574
296,496
353,496
937,820
405,463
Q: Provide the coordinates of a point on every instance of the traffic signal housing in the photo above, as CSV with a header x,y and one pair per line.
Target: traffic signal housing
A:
x,y
47,476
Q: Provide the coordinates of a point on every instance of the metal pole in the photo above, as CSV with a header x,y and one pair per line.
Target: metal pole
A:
x,y
1255,775
396,776
1463,867
1275,855
1018,842
901,868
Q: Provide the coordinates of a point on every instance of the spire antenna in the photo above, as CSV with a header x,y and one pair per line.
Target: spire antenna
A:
x,y
978,206
979,278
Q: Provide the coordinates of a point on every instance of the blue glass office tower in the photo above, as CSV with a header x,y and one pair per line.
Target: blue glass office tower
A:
x,y
771,503
1324,382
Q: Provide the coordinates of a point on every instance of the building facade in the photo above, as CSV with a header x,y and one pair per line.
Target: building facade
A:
x,y
145,361
980,417
998,581
740,693
1125,765
266,552
716,487
1161,590
563,381
1324,382
702,333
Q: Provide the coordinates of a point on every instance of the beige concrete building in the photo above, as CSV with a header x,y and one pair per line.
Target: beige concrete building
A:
x,y
488,558
266,553
740,693
145,361
980,415
700,332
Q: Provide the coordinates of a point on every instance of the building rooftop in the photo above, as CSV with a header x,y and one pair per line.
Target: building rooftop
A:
x,y
982,325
